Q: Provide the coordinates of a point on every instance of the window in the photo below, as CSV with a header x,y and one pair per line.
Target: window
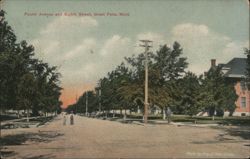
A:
x,y
242,86
243,102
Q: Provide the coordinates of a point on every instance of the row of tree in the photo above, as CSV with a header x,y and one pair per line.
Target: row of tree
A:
x,y
26,83
169,86
247,53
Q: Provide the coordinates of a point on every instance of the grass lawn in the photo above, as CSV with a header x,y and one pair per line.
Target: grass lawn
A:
x,y
7,117
199,120
217,120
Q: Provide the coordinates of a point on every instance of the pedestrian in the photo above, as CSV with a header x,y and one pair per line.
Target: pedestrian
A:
x,y
64,119
71,119
168,114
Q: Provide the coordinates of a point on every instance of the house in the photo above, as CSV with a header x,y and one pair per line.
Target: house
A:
x,y
234,71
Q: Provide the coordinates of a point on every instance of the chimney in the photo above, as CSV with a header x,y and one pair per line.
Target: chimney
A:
x,y
213,62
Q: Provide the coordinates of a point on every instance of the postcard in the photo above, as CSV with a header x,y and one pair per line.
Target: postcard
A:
x,y
124,79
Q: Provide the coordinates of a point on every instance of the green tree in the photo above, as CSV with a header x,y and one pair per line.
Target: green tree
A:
x,y
170,63
229,99
189,92
217,94
165,68
170,66
26,92
7,47
247,53
80,106
52,90
18,67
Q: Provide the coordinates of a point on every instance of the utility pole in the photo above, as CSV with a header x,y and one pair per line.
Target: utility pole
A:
x,y
86,113
100,105
146,44
76,103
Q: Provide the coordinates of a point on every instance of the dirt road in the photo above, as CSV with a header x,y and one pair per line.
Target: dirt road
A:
x,y
94,138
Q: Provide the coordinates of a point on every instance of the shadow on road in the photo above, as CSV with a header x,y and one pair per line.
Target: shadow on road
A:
x,y
20,139
47,156
237,131
242,132
6,153
229,134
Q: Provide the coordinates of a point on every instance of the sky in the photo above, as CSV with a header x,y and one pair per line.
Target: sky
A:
x,y
86,40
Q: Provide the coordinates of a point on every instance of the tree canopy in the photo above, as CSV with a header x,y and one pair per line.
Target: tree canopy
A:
x,y
169,85
25,81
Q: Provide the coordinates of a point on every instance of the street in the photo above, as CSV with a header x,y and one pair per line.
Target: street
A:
x,y
95,138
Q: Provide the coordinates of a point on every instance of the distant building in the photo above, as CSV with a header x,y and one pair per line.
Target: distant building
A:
x,y
234,71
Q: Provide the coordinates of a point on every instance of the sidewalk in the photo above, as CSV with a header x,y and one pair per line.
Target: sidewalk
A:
x,y
158,122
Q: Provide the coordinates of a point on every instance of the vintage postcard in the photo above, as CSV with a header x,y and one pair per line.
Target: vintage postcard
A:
x,y
124,79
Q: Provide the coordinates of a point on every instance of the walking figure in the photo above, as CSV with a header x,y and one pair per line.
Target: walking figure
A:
x,y
64,120
71,119
168,114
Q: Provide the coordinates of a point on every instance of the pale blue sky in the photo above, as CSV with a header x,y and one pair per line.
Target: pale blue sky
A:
x,y
228,17
205,28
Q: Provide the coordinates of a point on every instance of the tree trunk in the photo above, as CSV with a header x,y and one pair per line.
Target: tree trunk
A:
x,y
163,113
18,113
28,120
125,116
113,113
164,116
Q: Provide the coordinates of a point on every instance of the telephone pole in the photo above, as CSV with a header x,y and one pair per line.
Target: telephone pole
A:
x,y
99,95
86,113
76,103
146,44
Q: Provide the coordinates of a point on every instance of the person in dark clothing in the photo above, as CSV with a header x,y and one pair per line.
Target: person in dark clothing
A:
x,y
71,119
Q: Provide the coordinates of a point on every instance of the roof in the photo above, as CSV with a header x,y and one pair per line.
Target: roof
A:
x,y
235,68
